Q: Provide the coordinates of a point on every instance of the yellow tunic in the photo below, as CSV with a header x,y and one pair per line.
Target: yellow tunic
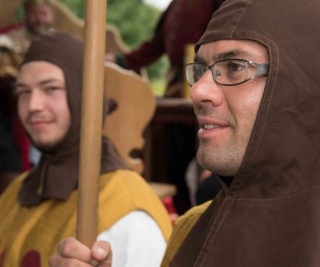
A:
x,y
29,236
181,229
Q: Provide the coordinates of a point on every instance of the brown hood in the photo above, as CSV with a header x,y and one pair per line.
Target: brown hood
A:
x,y
270,214
57,173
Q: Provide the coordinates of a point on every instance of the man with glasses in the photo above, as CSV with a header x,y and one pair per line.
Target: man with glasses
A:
x,y
226,100
256,92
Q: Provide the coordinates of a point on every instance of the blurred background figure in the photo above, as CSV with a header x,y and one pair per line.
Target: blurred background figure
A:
x,y
208,187
16,152
14,146
38,20
203,185
17,38
182,23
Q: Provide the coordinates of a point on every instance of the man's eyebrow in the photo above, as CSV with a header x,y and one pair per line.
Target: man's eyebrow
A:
x,y
43,82
198,59
225,55
17,84
50,80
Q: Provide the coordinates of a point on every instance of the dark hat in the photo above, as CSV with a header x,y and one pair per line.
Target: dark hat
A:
x,y
61,166
65,51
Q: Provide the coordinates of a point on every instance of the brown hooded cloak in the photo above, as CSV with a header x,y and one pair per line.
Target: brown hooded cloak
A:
x,y
270,214
57,173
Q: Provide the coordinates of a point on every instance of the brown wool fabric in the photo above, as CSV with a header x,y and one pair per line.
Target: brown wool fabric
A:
x,y
57,173
270,214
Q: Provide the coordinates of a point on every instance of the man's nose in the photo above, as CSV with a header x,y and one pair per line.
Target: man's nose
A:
x,y
206,89
36,101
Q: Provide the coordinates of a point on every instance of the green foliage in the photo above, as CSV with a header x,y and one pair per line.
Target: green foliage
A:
x,y
136,22
158,69
76,6
158,86
19,14
134,19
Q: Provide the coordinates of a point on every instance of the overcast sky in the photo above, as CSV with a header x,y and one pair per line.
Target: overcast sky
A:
x,y
161,4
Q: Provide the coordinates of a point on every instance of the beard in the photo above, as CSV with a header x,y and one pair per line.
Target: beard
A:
x,y
44,147
48,139
225,162
39,29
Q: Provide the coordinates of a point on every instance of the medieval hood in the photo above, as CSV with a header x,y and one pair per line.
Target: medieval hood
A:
x,y
270,214
57,173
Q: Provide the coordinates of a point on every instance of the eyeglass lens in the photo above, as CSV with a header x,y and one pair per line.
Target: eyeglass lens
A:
x,y
226,72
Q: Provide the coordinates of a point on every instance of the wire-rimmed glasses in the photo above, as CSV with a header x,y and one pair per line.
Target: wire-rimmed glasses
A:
x,y
227,72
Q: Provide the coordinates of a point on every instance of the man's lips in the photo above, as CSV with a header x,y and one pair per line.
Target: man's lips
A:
x,y
39,123
210,124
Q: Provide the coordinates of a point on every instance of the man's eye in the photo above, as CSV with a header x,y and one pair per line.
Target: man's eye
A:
x,y
52,88
21,92
217,75
234,66
198,71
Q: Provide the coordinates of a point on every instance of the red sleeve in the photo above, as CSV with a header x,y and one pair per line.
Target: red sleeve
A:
x,y
12,27
148,51
22,142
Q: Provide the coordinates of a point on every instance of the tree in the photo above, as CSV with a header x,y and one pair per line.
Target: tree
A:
x,y
136,22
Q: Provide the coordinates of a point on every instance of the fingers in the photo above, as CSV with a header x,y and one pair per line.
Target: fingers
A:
x,y
73,253
72,248
102,254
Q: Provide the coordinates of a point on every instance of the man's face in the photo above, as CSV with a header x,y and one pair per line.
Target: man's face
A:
x,y
39,18
226,114
42,104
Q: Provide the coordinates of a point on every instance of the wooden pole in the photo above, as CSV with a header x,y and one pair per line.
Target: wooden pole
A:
x,y
91,121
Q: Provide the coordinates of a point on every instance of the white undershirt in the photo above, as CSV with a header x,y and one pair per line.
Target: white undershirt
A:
x,y
136,241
